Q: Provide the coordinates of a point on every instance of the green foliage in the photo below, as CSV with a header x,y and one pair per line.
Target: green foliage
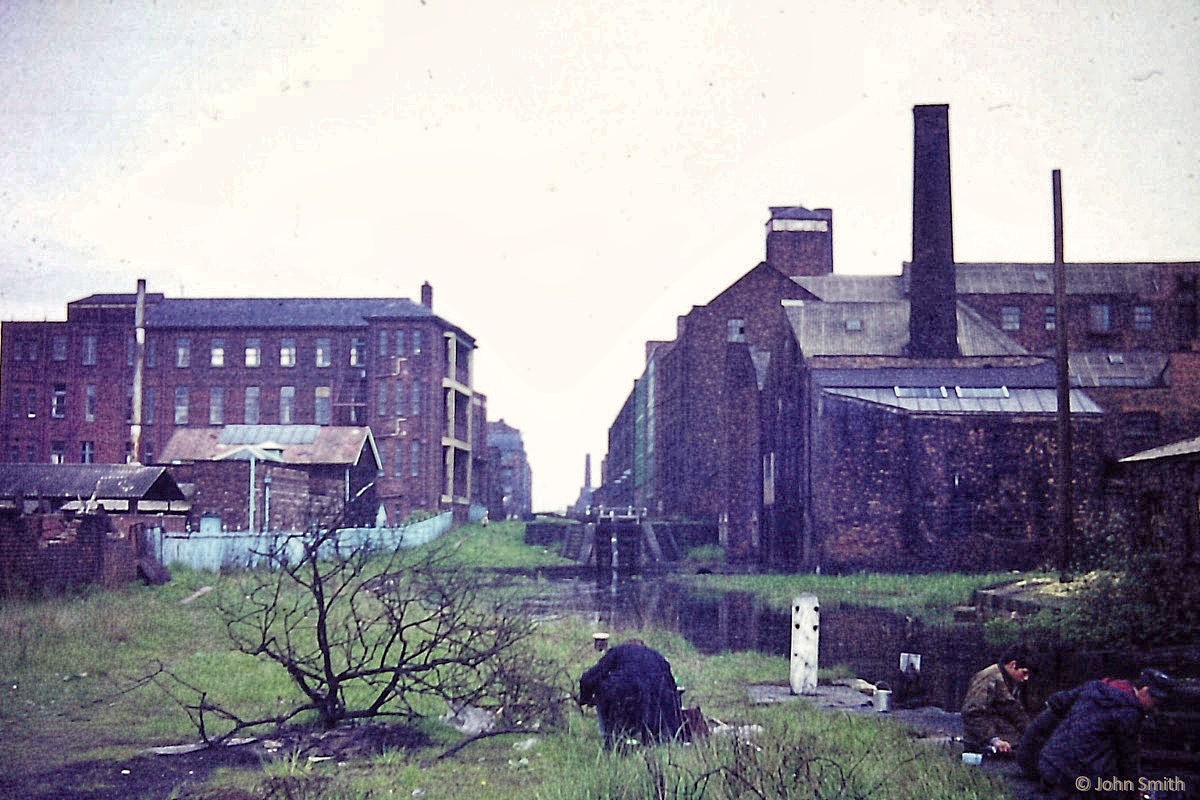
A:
x,y
418,515
499,545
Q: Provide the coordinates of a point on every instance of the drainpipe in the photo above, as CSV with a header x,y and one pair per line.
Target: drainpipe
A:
x,y
266,500
250,516
139,360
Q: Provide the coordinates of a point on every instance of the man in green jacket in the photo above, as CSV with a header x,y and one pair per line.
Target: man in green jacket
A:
x,y
993,713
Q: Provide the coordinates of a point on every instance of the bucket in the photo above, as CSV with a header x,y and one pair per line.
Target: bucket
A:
x,y
883,700
600,641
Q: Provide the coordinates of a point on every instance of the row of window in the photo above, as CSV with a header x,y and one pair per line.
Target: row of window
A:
x,y
407,403
1099,318
399,342
87,455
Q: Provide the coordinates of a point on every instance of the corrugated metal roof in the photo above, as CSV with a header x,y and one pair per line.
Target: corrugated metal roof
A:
x,y
1018,401
290,312
104,481
1082,278
329,445
851,372
881,328
1188,447
1137,368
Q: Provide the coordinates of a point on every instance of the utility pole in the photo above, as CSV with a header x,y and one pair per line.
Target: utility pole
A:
x,y
1062,464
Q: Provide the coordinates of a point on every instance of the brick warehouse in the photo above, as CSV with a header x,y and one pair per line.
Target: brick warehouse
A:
x,y
709,403
391,364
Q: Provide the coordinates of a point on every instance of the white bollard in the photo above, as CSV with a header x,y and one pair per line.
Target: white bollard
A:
x,y
806,635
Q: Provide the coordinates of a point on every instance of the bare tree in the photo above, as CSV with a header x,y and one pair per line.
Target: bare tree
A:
x,y
365,631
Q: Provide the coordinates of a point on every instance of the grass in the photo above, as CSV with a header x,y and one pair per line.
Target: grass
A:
x,y
69,668
932,597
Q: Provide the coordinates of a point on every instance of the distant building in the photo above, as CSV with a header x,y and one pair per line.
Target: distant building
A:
x,y
509,495
68,388
587,492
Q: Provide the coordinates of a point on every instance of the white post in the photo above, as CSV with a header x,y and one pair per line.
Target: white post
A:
x,y
806,634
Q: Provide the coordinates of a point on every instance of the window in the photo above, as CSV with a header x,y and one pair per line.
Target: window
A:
x,y
216,406
1010,318
415,459
152,353
87,452
1100,317
994,392
358,353
854,324
324,353
129,452
16,408
58,348
89,403
58,401
252,404
89,351
400,343
183,352
415,408
735,330
148,407
399,398
323,405
31,350
181,405
398,461
217,353
58,452
382,403
130,350
1051,317
287,353
253,353
921,391
287,405
147,452
1143,318
416,342
31,403
383,343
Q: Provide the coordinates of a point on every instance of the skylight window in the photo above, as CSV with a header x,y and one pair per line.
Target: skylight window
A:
x,y
981,391
854,324
921,391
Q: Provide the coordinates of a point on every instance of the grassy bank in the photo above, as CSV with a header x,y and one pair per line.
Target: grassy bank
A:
x,y
71,671
929,596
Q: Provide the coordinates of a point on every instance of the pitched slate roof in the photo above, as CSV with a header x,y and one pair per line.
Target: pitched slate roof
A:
x,y
839,288
295,444
1102,368
881,328
285,312
1082,278
962,401
104,481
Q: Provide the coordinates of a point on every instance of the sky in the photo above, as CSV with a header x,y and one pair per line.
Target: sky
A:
x,y
569,176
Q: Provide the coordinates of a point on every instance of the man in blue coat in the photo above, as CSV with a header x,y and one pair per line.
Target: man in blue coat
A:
x,y
1091,733
634,693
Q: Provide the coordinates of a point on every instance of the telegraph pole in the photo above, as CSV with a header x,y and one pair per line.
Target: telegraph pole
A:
x,y
1062,464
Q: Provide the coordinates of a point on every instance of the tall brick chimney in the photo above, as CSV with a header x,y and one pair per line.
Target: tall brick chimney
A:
x,y
932,322
426,295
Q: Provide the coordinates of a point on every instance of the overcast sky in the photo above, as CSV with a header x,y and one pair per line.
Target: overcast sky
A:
x,y
570,176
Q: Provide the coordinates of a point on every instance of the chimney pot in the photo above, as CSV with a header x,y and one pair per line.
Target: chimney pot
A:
x,y
427,295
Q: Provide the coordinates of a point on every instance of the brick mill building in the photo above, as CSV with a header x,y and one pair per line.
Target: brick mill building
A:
x,y
907,420
388,364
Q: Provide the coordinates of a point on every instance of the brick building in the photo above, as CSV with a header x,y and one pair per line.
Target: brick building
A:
x,y
793,407
511,478
393,365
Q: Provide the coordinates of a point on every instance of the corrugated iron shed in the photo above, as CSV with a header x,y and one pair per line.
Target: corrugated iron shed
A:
x,y
102,481
1188,447
1013,401
296,444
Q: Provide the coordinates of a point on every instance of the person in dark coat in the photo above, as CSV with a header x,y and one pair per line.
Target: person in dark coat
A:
x,y
634,693
1091,732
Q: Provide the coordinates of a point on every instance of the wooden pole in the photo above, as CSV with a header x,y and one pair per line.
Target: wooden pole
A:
x,y
1063,471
